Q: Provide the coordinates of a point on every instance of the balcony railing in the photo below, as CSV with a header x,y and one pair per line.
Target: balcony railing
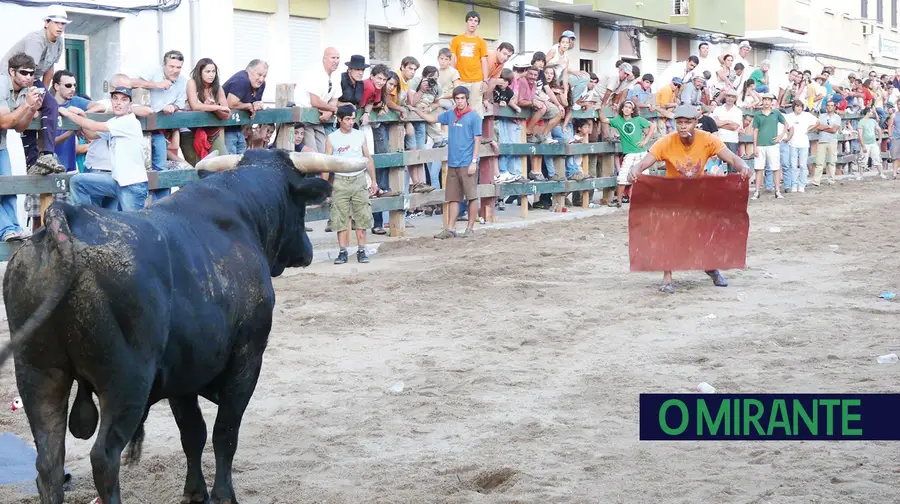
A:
x,y
680,7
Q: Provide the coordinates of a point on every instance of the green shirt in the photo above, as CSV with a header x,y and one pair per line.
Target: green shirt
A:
x,y
868,130
631,131
757,76
767,126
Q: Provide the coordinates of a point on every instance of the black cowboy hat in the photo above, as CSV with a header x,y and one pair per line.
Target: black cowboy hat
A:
x,y
357,62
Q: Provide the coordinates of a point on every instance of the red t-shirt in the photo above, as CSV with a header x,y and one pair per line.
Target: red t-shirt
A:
x,y
370,94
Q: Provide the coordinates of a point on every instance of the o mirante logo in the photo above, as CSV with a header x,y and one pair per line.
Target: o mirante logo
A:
x,y
769,417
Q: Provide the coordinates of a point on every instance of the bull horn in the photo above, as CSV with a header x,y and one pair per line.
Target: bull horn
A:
x,y
218,163
314,162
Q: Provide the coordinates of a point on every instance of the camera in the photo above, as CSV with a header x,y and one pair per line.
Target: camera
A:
x,y
432,82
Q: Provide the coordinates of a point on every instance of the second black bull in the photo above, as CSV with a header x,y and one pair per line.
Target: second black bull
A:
x,y
172,302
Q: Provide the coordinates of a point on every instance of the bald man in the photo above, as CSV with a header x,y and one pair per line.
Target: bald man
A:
x,y
320,91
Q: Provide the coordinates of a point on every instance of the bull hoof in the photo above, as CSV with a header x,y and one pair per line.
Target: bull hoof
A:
x,y
195,498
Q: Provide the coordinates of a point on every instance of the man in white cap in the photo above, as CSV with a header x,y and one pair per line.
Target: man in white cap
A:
x,y
46,47
742,53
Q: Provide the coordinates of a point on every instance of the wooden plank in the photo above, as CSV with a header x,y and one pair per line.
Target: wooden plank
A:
x,y
530,149
284,138
486,167
523,200
397,180
608,169
586,161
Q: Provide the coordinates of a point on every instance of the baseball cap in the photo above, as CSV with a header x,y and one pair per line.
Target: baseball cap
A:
x,y
626,67
121,90
57,14
744,44
677,81
731,92
685,112
767,95
568,34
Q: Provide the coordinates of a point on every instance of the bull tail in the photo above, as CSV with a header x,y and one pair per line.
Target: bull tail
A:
x,y
61,272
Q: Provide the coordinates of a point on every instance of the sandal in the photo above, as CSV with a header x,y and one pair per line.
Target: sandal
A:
x,y
379,231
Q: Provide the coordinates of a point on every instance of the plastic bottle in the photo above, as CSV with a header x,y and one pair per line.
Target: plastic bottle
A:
x,y
706,388
887,359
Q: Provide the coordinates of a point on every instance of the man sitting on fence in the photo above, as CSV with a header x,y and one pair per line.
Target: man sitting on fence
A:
x,y
464,125
127,187
18,102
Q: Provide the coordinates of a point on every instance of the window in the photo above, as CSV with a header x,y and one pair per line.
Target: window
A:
x,y
880,14
893,13
379,46
864,9
586,65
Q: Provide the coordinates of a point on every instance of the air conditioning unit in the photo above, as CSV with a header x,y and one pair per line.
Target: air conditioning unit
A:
x,y
868,29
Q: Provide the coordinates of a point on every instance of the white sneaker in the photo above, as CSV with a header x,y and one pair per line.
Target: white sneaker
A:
x,y
797,189
801,189
883,176
755,195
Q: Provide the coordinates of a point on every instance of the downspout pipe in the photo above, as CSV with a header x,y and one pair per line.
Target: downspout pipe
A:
x,y
195,29
521,26
159,33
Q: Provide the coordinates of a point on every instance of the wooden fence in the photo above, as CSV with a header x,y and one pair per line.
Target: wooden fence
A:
x,y
600,153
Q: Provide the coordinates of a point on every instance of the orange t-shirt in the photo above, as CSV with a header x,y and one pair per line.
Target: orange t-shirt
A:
x,y
665,96
495,68
683,161
469,51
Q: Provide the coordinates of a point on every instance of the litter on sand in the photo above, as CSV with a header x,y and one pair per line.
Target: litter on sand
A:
x,y
887,295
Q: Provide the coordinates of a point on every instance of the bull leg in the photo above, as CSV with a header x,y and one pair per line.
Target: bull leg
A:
x,y
45,394
233,399
121,413
193,438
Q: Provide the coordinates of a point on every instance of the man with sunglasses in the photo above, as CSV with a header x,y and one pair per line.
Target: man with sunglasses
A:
x,y
64,88
18,103
45,47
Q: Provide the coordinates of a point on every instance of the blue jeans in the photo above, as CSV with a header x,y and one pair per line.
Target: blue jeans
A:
x,y
509,132
382,175
799,167
91,188
559,135
762,88
9,220
235,142
158,153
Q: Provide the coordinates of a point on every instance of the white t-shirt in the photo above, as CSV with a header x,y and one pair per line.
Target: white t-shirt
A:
x,y
97,157
721,113
348,145
125,149
801,123
316,82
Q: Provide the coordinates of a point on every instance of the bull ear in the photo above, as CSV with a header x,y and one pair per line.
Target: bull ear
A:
x,y
312,190
202,174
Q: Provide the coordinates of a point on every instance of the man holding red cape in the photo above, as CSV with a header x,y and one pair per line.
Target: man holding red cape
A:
x,y
686,153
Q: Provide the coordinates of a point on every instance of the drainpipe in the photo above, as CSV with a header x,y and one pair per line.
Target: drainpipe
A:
x,y
195,29
159,33
521,26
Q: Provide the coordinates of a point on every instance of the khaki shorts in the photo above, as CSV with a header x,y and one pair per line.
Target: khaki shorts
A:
x,y
460,185
350,195
476,96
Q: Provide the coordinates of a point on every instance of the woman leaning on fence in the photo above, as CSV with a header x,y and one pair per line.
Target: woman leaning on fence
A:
x,y
204,94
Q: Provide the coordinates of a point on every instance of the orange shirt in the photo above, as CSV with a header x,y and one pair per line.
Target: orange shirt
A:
x,y
683,161
666,95
494,66
469,51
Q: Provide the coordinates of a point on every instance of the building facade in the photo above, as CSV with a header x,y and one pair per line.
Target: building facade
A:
x,y
127,36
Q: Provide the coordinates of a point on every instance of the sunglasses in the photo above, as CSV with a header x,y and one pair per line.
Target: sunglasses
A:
x,y
26,73
69,85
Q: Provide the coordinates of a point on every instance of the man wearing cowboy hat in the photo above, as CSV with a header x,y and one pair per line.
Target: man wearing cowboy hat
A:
x,y
46,47
127,186
352,81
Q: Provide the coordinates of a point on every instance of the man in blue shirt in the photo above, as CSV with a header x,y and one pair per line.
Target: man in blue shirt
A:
x,y
244,91
464,126
64,88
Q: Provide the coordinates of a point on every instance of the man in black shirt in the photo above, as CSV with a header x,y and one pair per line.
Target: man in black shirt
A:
x,y
706,122
352,81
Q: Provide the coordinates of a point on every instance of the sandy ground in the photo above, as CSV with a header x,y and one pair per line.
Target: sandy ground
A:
x,y
523,353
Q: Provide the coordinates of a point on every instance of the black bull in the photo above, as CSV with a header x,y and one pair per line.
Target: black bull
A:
x,y
172,302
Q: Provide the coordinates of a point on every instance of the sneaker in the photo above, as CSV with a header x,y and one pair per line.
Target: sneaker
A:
x,y
533,138
796,188
559,177
361,256
717,278
16,235
328,226
444,234
614,203
883,176
778,195
468,233
755,195
46,164
536,176
342,257
625,199
667,288
577,176
501,205
801,189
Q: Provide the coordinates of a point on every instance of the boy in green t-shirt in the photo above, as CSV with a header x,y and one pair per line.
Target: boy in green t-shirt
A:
x,y
869,133
634,132
766,142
